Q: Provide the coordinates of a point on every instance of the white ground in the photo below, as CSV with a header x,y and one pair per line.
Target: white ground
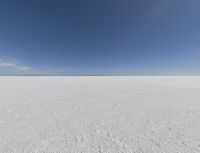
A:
x,y
99,114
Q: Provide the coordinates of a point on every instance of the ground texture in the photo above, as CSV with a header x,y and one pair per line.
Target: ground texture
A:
x,y
99,114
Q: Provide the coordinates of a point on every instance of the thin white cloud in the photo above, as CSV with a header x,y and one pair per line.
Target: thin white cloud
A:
x,y
15,66
8,67
11,68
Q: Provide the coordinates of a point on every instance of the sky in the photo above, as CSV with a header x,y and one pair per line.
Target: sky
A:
x,y
99,37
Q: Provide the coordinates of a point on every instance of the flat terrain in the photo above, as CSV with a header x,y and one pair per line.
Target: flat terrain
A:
x,y
100,114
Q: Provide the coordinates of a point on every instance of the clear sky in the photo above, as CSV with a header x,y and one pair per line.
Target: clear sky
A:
x,y
99,37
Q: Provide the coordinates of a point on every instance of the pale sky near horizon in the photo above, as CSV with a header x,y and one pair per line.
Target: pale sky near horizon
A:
x,y
99,37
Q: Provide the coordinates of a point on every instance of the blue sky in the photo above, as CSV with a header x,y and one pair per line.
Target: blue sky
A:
x,y
99,37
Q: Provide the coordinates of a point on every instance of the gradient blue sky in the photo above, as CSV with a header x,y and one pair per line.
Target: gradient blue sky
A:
x,y
89,37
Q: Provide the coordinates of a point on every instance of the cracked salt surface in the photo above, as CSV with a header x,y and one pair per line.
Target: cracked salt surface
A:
x,y
99,114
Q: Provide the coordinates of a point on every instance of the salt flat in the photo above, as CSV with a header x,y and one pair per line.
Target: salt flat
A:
x,y
100,114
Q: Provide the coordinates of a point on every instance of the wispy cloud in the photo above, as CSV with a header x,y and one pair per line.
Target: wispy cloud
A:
x,y
15,66
11,68
8,67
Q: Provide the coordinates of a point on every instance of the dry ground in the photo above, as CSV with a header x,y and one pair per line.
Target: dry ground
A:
x,y
100,114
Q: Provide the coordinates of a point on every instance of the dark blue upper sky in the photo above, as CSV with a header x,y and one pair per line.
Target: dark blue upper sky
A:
x,y
139,37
